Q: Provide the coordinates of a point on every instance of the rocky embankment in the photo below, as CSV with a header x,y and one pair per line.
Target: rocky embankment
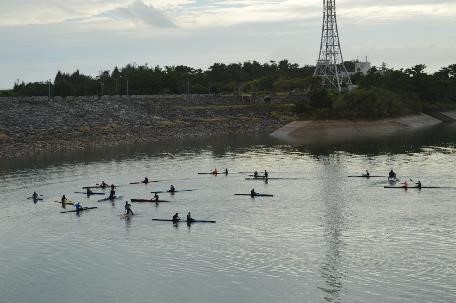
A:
x,y
36,124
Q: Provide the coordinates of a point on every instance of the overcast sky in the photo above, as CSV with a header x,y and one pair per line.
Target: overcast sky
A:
x,y
40,37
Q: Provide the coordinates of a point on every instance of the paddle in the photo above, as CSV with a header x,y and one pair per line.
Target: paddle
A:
x,y
32,197
66,203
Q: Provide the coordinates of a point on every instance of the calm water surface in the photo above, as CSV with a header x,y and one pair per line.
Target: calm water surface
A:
x,y
323,237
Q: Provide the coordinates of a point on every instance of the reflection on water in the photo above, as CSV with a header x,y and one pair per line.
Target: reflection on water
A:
x,y
333,223
441,136
323,237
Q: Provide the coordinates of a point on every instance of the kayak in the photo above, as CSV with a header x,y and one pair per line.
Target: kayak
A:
x,y
267,179
81,192
177,221
256,195
171,192
363,176
66,203
142,182
110,199
75,211
403,187
148,200
215,174
35,199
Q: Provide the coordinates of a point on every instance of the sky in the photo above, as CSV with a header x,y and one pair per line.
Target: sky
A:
x,y
40,37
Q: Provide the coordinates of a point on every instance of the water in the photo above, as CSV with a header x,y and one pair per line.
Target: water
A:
x,y
323,237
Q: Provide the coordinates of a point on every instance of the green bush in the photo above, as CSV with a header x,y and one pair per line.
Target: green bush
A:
x,y
374,103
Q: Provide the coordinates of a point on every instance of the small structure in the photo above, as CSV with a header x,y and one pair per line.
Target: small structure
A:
x,y
362,67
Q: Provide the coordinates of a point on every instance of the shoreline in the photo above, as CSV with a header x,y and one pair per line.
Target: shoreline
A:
x,y
333,131
35,126
31,126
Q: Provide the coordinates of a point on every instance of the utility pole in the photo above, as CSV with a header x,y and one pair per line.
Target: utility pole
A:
x,y
330,65
49,89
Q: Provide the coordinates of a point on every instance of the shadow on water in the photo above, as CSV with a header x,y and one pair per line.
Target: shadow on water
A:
x,y
406,142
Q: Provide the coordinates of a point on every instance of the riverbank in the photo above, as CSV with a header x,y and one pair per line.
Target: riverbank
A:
x,y
39,125
332,131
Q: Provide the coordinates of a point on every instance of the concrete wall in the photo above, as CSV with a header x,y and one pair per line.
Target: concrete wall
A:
x,y
329,131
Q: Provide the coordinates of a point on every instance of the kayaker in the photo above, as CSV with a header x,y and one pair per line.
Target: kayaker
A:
x,y
404,184
35,196
266,174
189,218
392,174
226,171
172,189
103,184
156,198
89,191
215,172
78,206
253,193
255,174
146,180
418,184
112,194
366,174
64,199
128,208
176,217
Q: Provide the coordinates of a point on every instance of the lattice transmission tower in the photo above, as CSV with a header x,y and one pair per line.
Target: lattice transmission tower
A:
x,y
330,65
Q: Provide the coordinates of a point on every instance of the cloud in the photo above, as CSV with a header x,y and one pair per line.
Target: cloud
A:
x,y
189,14
90,35
38,12
138,11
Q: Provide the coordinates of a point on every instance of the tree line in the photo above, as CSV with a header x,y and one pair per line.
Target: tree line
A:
x,y
382,92
385,92
145,80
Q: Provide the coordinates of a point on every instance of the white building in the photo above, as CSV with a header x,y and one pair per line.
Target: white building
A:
x,y
362,67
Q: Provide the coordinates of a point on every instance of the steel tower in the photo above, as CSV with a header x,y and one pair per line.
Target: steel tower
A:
x,y
330,65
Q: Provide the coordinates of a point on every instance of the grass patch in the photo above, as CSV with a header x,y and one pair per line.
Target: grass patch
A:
x,y
108,127
3,137
168,123
267,107
84,129
284,117
212,120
